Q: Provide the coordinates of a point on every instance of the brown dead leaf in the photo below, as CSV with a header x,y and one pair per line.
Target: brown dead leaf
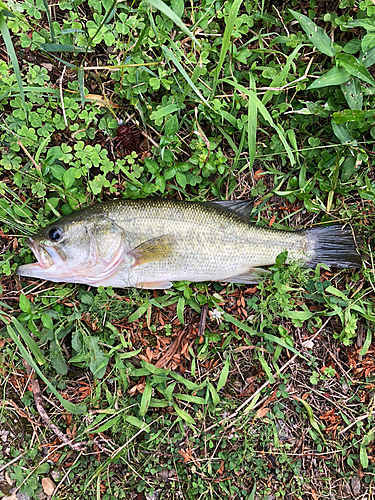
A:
x,y
329,415
184,349
149,354
48,486
187,455
48,66
221,469
262,412
258,174
137,388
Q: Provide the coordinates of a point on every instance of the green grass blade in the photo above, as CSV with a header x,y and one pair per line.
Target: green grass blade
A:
x,y
314,424
158,4
40,149
232,16
52,30
223,375
240,148
214,395
14,91
367,343
146,398
252,121
59,47
180,310
229,139
184,415
13,57
280,77
70,407
136,422
81,85
31,344
253,491
140,39
266,368
164,111
271,338
177,63
194,78
282,343
258,103
190,399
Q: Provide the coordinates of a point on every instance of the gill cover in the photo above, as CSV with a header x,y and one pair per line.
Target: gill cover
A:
x,y
107,248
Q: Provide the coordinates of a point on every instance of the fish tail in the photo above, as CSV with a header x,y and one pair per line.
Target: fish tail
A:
x,y
334,246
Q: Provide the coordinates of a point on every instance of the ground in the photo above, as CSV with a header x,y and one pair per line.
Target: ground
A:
x,y
208,390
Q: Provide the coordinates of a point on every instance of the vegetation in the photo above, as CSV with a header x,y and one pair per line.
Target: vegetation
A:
x,y
206,390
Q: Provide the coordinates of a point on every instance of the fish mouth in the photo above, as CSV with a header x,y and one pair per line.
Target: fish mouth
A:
x,y
41,253
36,269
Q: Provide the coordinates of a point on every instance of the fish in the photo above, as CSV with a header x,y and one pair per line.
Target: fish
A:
x,y
150,243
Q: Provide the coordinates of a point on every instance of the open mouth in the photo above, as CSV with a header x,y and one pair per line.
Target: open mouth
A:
x,y
40,268
41,253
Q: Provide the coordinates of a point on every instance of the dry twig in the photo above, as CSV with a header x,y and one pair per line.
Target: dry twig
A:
x,y
35,388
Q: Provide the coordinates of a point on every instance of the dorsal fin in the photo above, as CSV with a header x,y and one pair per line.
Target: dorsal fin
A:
x,y
242,208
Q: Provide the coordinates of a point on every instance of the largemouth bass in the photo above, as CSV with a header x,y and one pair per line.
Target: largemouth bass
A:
x,y
150,243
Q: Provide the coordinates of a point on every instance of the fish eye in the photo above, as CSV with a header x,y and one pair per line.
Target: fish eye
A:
x,y
54,234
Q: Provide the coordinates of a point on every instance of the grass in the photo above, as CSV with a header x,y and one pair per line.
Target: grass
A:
x,y
206,390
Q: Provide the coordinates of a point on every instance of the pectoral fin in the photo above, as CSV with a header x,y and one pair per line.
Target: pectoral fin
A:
x,y
254,275
152,250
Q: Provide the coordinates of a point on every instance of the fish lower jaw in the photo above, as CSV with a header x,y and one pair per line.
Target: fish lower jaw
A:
x,y
31,270
36,270
59,275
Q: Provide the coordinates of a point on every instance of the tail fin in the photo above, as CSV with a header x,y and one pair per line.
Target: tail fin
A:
x,y
334,246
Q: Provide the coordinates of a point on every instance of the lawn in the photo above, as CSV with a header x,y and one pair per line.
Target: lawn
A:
x,y
206,390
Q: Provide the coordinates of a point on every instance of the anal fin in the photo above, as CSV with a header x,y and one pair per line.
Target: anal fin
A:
x,y
155,285
253,275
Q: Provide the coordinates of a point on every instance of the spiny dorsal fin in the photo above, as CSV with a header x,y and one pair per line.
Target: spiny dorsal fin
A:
x,y
152,250
242,208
